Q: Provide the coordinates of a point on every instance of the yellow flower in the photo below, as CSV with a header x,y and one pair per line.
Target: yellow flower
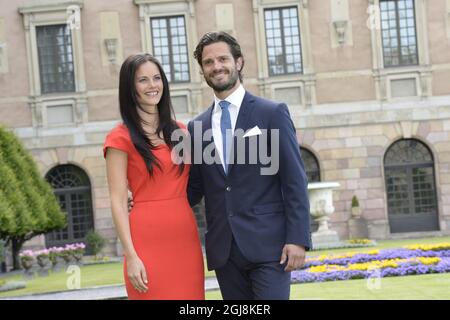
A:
x,y
371,265
392,263
426,247
325,268
428,261
337,256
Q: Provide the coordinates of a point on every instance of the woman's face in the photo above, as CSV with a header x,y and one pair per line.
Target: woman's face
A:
x,y
149,84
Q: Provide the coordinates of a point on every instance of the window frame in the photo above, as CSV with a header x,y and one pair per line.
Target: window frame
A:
x,y
305,81
397,29
148,9
422,70
169,39
48,14
41,71
283,38
311,154
414,220
67,193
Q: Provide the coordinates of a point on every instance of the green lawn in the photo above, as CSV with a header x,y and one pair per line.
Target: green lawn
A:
x,y
91,276
94,275
423,287
111,273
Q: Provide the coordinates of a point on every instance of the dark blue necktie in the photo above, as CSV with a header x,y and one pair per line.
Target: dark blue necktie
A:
x,y
225,128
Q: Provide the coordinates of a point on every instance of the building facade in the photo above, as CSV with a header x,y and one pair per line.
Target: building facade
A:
x,y
367,83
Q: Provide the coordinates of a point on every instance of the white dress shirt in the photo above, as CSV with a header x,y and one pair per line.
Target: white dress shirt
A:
x,y
235,100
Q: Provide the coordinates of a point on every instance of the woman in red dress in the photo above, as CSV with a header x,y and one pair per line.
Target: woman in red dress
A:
x,y
162,252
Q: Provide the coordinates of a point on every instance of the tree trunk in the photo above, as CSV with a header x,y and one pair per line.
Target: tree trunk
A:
x,y
17,244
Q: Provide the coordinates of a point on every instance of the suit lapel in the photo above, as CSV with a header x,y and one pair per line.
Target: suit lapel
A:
x,y
208,126
245,110
242,121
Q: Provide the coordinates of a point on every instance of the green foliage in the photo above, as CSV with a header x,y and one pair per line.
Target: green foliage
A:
x,y
7,222
15,199
28,206
2,251
41,202
94,242
355,202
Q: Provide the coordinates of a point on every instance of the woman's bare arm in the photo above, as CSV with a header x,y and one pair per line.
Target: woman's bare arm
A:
x,y
116,168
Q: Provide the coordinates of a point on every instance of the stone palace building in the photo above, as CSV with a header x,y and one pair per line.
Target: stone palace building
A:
x,y
367,83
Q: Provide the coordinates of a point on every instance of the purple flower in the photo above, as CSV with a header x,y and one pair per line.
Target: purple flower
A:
x,y
403,269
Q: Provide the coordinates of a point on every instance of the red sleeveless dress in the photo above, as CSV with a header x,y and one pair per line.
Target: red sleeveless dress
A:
x,y
163,227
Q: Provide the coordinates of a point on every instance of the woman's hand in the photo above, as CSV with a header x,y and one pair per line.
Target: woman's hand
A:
x,y
137,274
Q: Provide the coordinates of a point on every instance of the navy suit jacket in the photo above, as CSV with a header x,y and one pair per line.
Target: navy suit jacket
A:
x,y
261,212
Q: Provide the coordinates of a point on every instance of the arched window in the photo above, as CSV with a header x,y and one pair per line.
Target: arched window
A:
x,y
410,187
73,190
313,173
311,165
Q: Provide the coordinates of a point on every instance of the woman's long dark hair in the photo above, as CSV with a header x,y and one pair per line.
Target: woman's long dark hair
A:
x,y
128,110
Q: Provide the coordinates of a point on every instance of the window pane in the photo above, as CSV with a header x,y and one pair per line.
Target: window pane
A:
x,y
54,44
170,46
283,39
311,165
73,190
410,187
398,29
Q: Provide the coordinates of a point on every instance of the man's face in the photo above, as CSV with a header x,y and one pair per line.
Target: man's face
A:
x,y
219,67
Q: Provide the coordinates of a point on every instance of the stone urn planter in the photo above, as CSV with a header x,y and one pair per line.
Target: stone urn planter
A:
x,y
67,257
356,212
27,264
55,259
43,262
78,257
321,207
27,258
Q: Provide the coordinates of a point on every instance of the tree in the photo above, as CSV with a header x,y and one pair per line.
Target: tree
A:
x,y
7,223
34,207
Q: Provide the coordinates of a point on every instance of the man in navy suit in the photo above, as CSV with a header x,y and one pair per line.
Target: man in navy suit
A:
x,y
257,222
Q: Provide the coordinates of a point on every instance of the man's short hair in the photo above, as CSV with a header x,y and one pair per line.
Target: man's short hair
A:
x,y
219,36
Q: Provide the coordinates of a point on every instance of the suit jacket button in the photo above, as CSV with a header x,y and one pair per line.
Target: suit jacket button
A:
x,y
228,189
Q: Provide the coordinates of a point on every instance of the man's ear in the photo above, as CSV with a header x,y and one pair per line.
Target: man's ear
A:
x,y
239,63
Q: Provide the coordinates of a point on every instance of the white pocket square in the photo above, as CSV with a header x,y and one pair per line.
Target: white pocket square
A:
x,y
252,132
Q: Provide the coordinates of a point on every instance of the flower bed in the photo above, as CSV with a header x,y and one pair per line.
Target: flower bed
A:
x,y
414,259
47,257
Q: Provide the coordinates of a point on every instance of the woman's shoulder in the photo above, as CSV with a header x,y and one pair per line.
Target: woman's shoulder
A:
x,y
181,125
119,130
118,138
119,133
